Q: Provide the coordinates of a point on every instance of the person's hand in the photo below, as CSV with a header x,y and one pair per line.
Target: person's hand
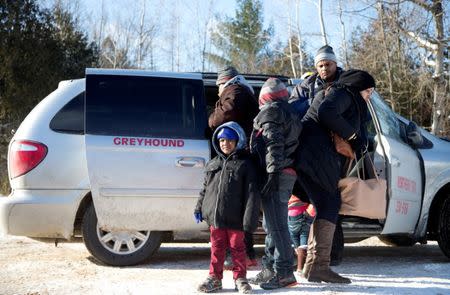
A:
x,y
198,216
271,186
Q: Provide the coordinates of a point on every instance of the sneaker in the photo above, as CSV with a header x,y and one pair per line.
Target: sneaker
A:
x,y
278,281
263,276
228,263
211,284
242,285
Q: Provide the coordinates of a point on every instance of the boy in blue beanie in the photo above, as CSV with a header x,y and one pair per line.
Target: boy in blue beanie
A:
x,y
229,203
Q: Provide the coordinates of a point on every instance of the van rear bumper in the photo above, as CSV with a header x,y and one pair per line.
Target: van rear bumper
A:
x,y
40,213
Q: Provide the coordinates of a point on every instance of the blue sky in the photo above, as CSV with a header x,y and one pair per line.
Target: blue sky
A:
x,y
275,12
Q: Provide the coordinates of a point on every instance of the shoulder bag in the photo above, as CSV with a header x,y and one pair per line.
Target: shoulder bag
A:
x,y
363,197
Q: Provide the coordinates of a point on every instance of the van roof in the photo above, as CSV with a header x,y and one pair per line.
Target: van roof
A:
x,y
146,73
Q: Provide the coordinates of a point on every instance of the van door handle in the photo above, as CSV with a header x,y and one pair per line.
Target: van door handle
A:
x,y
190,162
395,162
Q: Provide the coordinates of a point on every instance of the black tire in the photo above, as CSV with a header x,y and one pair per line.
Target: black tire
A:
x,y
397,241
337,250
444,228
147,244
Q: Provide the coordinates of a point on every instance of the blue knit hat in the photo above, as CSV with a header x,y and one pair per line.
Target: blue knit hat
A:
x,y
227,133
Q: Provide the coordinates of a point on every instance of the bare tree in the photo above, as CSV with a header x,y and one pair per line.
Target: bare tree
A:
x,y
435,43
203,32
322,24
344,41
291,52
387,58
173,37
299,38
146,31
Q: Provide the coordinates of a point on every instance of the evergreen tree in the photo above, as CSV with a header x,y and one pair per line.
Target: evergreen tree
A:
x,y
37,50
242,39
29,57
78,52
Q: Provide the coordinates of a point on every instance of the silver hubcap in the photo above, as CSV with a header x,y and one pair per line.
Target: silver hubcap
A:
x,y
122,242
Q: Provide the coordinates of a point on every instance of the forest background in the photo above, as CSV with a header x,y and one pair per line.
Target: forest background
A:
x,y
403,43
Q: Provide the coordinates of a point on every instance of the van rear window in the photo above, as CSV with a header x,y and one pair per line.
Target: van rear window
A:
x,y
145,106
70,119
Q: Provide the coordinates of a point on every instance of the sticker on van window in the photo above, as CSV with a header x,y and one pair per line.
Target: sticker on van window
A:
x,y
136,141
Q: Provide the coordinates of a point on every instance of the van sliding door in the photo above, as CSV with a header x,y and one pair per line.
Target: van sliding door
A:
x,y
145,148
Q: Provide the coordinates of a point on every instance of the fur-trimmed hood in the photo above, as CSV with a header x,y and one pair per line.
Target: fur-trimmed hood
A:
x,y
241,143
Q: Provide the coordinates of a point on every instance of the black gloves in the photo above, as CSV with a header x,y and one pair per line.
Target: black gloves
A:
x,y
356,143
271,186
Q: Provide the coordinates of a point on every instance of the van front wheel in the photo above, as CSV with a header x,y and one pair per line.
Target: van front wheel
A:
x,y
118,248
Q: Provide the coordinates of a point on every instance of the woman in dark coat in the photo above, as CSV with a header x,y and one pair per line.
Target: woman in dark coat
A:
x,y
341,110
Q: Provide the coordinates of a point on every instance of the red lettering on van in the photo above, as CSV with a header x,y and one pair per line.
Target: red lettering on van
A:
x,y
402,208
148,141
406,184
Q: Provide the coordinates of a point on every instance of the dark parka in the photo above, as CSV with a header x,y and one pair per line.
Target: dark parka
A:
x,y
236,103
341,111
304,93
230,197
275,136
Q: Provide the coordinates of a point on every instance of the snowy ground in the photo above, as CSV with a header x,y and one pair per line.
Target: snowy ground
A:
x,y
31,267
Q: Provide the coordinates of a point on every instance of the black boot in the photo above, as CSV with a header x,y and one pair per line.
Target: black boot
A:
x,y
278,281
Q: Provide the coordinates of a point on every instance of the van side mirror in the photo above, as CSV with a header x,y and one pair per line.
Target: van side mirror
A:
x,y
415,138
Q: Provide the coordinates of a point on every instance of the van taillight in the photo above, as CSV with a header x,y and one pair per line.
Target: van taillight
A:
x,y
24,155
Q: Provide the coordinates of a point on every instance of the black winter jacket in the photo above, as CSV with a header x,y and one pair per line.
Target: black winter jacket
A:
x,y
340,111
230,197
275,136
304,93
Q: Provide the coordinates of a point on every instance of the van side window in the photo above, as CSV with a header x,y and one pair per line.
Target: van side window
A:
x,y
145,106
70,119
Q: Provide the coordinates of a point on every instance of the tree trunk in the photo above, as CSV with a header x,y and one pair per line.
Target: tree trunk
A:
x,y
291,52
344,41
440,95
322,25
299,37
387,57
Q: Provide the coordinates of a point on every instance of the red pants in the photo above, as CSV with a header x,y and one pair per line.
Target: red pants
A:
x,y
221,239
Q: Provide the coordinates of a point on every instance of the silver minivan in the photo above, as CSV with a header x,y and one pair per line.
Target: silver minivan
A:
x,y
118,157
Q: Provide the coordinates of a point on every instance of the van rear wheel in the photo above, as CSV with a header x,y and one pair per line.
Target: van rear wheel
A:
x,y
118,248
444,228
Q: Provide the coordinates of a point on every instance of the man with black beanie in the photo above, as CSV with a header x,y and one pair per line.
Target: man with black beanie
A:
x,y
328,72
